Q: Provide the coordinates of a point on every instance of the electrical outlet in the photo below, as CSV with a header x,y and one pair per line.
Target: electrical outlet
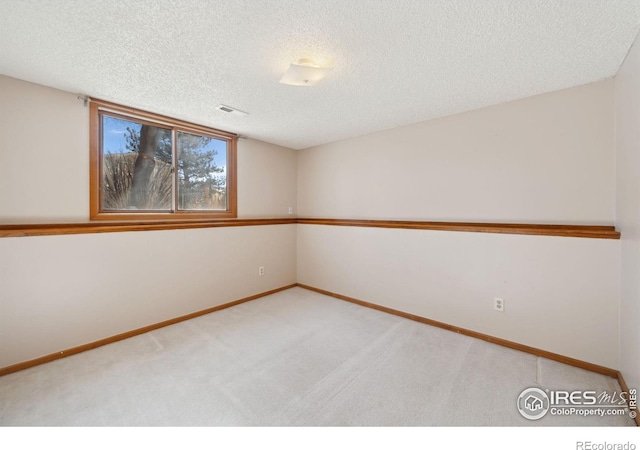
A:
x,y
261,271
498,304
290,209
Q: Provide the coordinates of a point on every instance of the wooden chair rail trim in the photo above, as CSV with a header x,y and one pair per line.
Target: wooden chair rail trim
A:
x,y
113,227
581,231
82,348
485,337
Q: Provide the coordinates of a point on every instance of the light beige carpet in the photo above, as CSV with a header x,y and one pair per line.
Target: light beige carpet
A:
x,y
295,358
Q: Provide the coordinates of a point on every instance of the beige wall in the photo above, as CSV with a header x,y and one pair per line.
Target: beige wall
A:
x,y
44,158
543,160
546,159
266,179
44,161
62,291
559,293
627,113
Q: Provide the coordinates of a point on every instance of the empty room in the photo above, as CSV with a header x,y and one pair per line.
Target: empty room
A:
x,y
319,213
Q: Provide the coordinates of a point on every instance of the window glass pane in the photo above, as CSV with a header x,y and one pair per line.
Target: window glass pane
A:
x,y
136,162
202,176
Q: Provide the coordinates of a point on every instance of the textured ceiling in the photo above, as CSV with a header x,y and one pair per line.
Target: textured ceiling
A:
x,y
395,62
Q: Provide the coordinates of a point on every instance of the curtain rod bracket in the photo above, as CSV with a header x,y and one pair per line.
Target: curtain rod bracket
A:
x,y
85,99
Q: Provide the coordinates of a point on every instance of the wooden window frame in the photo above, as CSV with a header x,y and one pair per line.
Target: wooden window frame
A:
x,y
96,164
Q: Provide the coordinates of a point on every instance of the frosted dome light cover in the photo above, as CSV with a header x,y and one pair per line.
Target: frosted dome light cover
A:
x,y
304,73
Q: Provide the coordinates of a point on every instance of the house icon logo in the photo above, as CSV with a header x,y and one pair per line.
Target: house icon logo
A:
x,y
533,403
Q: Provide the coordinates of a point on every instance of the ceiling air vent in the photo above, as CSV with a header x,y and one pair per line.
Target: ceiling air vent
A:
x,y
230,110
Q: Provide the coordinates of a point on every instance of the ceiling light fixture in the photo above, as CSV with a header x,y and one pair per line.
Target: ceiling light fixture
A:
x,y
304,72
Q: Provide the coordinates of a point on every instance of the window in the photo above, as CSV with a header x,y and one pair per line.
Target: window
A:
x,y
147,166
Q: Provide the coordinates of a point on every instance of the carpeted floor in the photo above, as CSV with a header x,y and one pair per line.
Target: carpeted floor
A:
x,y
295,358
